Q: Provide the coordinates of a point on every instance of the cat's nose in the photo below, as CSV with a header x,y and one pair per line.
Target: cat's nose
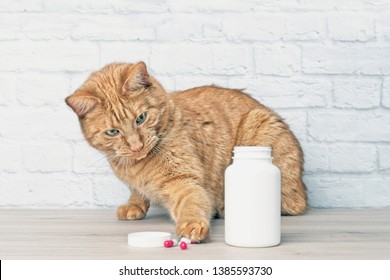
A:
x,y
137,148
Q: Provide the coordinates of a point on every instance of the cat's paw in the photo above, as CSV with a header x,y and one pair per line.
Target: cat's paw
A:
x,y
194,230
130,212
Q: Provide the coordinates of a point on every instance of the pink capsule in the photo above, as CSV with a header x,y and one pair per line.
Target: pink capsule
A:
x,y
168,243
183,245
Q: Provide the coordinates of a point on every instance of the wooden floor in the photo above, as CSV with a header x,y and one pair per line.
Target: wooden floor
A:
x,y
96,234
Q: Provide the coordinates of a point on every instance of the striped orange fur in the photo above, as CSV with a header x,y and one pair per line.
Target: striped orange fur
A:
x,y
171,149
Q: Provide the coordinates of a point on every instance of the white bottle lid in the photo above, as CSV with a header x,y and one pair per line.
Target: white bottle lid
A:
x,y
148,239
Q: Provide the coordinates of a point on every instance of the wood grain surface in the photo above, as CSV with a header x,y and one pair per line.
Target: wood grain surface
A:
x,y
97,234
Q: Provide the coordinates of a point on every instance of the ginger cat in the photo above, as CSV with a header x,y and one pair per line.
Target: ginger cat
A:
x,y
172,149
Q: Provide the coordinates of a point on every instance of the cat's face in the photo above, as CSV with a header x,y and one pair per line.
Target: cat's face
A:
x,y
120,109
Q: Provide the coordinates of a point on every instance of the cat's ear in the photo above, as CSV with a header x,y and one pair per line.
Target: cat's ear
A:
x,y
82,102
136,77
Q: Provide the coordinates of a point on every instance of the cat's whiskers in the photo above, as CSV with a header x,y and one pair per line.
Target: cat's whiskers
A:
x,y
161,152
123,164
169,139
98,162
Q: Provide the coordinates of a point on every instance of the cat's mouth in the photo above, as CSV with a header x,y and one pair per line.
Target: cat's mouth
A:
x,y
139,154
135,156
130,157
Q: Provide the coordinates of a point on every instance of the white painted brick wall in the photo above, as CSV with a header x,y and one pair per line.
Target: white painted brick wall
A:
x,y
386,93
351,27
358,93
323,65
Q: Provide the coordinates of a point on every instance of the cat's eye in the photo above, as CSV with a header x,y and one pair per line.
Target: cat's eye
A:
x,y
141,118
112,132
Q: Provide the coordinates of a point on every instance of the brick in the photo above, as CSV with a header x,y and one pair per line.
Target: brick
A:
x,y
22,6
258,27
269,5
345,191
11,27
213,31
7,88
120,28
384,157
273,27
102,6
316,156
322,6
123,52
310,27
46,190
378,196
191,59
181,28
359,93
11,118
382,26
355,158
33,88
65,125
230,59
330,192
109,191
351,27
277,59
151,6
76,80
210,6
48,26
58,56
166,81
88,160
34,124
181,58
346,59
186,82
39,89
281,92
297,121
362,126
11,156
386,93
47,157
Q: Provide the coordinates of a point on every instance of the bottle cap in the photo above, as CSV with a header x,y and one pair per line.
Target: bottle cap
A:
x,y
148,239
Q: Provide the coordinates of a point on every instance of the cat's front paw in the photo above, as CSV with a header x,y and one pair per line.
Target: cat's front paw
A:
x,y
130,212
194,229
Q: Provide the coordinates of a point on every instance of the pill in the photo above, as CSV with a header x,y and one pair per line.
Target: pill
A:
x,y
183,245
168,243
189,241
186,240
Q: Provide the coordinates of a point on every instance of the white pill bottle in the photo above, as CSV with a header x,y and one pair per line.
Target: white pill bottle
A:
x,y
252,198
